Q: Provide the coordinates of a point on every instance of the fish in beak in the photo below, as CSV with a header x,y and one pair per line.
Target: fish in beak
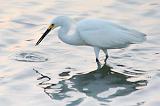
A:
x,y
45,33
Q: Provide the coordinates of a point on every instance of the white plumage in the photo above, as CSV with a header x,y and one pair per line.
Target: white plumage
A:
x,y
98,33
103,34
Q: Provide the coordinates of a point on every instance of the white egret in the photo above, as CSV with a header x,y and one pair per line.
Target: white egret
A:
x,y
98,33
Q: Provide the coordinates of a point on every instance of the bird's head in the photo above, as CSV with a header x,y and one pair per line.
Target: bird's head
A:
x,y
58,21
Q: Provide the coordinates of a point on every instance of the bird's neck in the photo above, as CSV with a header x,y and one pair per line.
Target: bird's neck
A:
x,y
72,39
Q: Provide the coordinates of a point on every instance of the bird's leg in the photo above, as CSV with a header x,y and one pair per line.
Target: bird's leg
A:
x,y
97,60
98,63
96,51
105,60
106,53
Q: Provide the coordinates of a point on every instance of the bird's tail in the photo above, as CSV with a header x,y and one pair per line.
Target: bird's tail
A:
x,y
138,37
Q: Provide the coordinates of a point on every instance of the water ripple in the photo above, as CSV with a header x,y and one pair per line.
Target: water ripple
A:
x,y
30,57
98,84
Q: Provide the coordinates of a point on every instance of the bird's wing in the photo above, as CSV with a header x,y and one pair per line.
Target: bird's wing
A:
x,y
105,34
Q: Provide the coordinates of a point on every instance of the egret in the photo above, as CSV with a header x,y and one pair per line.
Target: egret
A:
x,y
97,33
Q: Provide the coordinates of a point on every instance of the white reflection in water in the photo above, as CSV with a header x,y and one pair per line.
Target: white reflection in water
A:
x,y
103,85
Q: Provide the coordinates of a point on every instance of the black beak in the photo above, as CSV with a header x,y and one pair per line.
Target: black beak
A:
x,y
45,33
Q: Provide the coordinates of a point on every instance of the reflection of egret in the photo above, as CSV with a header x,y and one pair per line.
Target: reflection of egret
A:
x,y
98,33
93,84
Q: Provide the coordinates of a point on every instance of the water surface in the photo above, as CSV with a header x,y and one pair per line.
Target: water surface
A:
x,y
55,73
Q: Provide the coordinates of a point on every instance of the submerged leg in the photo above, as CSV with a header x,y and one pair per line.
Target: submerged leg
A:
x,y
96,51
106,53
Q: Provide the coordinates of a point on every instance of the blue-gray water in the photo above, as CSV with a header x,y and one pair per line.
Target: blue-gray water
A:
x,y
55,73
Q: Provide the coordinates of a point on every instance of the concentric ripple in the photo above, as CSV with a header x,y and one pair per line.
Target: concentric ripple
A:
x,y
30,57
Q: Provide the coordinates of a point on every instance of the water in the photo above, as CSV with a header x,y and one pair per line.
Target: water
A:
x,y
55,73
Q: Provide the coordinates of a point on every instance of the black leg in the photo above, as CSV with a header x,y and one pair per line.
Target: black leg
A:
x,y
105,60
97,60
98,63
